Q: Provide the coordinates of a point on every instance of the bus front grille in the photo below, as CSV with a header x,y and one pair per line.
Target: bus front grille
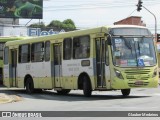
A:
x,y
138,85
136,75
137,71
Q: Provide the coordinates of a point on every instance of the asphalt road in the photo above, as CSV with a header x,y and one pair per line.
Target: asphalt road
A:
x,y
139,100
106,101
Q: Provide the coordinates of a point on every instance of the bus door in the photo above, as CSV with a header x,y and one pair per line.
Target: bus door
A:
x,y
13,74
100,62
57,51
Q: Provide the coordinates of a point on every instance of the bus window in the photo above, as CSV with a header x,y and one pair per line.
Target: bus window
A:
x,y
47,51
24,53
67,47
37,52
1,51
107,53
81,47
57,55
6,50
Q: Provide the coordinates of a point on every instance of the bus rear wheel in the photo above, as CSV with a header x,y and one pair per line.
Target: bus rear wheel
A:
x,y
86,87
125,92
63,91
29,86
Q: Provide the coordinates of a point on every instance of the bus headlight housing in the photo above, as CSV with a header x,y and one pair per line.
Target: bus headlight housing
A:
x,y
118,74
154,73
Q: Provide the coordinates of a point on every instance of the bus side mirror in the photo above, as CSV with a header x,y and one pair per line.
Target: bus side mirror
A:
x,y
109,40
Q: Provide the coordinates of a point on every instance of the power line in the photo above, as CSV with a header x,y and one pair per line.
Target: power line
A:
x,y
94,5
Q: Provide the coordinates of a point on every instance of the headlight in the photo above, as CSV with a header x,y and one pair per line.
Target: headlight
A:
x,y
155,72
118,74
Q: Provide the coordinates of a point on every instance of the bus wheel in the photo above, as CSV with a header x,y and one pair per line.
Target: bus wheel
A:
x,y
125,92
29,86
86,87
63,92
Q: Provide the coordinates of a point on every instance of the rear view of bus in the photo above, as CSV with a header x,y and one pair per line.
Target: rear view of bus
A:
x,y
134,61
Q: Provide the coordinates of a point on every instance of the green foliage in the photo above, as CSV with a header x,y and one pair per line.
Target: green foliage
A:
x,y
38,25
55,23
67,24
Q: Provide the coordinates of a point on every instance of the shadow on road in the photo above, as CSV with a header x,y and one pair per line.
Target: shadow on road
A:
x,y
52,95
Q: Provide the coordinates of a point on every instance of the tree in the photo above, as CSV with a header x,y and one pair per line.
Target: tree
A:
x,y
38,25
67,24
55,23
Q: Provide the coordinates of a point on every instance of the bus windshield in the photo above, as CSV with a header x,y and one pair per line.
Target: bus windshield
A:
x,y
133,51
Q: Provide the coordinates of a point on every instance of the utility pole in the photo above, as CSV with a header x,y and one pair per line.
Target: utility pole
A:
x,y
139,7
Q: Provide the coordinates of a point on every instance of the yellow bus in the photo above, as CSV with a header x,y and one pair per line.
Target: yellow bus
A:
x,y
3,40
118,57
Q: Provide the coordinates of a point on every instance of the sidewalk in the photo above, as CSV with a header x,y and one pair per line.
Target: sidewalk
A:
x,y
8,97
4,98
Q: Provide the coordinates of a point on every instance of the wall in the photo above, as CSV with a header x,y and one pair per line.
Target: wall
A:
x,y
13,31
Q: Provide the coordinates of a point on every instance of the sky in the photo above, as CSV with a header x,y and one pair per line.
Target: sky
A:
x,y
94,13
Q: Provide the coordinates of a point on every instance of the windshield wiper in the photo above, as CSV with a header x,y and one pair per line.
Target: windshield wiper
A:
x,y
128,44
139,48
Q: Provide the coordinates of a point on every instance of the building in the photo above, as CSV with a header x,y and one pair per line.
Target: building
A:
x,y
13,30
9,21
10,27
132,20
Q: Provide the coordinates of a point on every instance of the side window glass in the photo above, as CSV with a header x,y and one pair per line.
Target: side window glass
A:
x,y
37,52
47,51
81,47
6,52
57,55
24,53
1,50
107,53
67,47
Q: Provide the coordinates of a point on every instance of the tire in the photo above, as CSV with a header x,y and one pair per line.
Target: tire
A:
x,y
125,92
29,86
87,91
63,92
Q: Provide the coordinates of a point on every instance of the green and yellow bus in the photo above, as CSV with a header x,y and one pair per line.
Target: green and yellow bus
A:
x,y
119,57
3,40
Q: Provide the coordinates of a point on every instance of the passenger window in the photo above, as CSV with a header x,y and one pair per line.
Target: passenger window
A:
x,y
37,52
6,51
81,47
67,47
24,53
1,50
47,51
107,53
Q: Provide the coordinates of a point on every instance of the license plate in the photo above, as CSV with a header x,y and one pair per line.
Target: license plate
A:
x,y
139,83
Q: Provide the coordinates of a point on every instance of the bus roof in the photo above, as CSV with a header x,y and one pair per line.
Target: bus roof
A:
x,y
70,34
11,38
126,26
59,36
